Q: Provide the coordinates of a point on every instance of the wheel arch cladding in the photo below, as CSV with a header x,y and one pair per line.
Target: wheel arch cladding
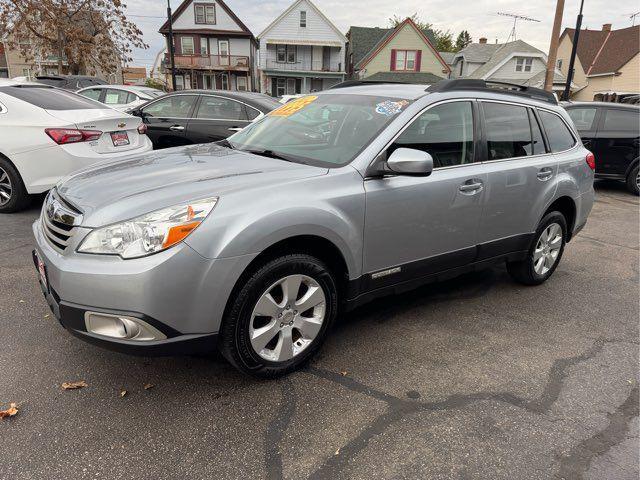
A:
x,y
567,207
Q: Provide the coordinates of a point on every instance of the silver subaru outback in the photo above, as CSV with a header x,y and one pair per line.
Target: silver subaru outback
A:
x,y
254,245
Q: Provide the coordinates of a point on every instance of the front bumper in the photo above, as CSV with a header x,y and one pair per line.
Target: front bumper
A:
x,y
177,291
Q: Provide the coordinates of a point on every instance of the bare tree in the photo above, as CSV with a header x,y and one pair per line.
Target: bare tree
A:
x,y
87,33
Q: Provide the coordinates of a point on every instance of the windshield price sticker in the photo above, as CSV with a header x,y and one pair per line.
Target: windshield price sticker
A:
x,y
293,106
390,107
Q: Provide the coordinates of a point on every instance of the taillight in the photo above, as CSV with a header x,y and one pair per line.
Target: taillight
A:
x,y
591,161
142,129
63,136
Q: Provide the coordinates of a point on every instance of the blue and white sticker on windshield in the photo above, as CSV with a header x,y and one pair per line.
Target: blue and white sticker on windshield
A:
x,y
390,108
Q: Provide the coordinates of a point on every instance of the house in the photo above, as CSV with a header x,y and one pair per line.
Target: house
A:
x,y
401,54
607,65
134,75
514,62
301,51
213,49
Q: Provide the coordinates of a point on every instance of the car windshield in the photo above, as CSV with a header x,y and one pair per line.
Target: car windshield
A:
x,y
325,130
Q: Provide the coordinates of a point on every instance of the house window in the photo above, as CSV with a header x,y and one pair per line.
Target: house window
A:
x,y
223,47
225,81
291,54
281,53
204,46
559,63
303,19
461,67
187,45
406,60
291,86
179,82
241,83
281,86
205,14
523,64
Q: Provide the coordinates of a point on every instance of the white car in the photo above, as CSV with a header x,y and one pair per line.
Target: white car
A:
x,y
47,133
120,97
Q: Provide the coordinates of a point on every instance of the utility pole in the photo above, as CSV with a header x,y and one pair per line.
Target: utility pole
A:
x,y
572,60
553,47
171,49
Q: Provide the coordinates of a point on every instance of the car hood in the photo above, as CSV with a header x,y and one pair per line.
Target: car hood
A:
x,y
116,191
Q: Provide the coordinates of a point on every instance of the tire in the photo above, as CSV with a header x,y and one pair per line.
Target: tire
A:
x,y
11,185
530,271
280,326
633,180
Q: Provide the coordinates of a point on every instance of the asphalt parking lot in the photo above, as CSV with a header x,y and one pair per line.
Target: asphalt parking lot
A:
x,y
477,377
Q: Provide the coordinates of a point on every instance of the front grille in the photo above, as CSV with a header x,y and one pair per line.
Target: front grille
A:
x,y
59,220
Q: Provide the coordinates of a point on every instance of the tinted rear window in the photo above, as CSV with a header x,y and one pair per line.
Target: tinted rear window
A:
x,y
558,134
52,99
622,120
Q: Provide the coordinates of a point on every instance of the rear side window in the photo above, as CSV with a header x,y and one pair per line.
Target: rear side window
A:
x,y
217,108
444,131
118,97
621,120
508,131
559,136
93,94
51,99
583,118
252,113
536,134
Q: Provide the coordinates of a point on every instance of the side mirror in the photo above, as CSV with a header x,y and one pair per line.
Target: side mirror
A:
x,y
408,161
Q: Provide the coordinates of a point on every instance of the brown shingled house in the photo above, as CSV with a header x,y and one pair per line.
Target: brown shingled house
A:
x,y
607,66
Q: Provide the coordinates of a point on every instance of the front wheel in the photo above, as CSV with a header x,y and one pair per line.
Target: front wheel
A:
x,y
633,180
545,251
280,316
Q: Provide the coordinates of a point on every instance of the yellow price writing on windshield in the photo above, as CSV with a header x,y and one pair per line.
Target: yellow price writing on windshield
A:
x,y
293,106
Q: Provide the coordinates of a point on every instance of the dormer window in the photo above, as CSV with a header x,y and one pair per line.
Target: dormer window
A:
x,y
205,14
523,64
303,19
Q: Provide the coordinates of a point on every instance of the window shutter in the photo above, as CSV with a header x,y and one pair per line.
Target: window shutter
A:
x,y
418,59
393,60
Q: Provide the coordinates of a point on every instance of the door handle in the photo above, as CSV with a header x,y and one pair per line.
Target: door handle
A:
x,y
234,129
470,188
176,128
545,174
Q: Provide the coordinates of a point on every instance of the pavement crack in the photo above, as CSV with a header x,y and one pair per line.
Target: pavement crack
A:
x,y
577,462
398,408
276,429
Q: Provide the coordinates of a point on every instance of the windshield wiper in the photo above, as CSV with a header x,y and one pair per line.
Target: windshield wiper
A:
x,y
225,143
272,154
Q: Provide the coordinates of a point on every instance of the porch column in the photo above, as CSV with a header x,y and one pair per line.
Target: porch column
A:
x,y
304,85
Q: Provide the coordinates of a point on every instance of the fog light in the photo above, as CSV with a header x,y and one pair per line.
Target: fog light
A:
x,y
122,327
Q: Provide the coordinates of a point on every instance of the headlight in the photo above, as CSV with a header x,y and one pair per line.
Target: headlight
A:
x,y
148,233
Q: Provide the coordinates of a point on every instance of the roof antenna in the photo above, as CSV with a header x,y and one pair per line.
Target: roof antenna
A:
x,y
515,20
632,17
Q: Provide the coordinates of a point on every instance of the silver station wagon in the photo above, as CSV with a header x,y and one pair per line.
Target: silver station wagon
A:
x,y
255,244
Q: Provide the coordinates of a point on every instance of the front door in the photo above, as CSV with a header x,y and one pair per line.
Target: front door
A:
x,y
415,226
216,118
167,120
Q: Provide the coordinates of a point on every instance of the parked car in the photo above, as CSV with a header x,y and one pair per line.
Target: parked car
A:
x,y
121,97
47,133
327,202
69,82
201,116
612,132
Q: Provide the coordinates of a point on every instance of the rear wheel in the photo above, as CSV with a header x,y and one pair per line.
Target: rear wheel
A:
x,y
633,180
13,195
544,253
280,316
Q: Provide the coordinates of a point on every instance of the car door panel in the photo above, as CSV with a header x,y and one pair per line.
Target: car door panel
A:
x,y
618,141
167,120
216,118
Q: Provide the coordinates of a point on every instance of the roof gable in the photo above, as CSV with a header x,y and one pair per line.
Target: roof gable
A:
x,y
388,38
504,53
226,20
294,8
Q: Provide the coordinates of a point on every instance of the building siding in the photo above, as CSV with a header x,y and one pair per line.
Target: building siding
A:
x,y
224,21
627,82
508,70
406,39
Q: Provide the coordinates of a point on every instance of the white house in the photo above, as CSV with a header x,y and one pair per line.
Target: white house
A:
x,y
301,51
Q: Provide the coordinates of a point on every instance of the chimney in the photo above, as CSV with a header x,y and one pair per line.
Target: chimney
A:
x,y
482,40
606,27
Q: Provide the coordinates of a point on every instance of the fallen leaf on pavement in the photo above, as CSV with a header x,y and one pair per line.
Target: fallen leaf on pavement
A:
x,y
147,386
74,385
123,393
9,412
46,316
337,452
21,301
344,373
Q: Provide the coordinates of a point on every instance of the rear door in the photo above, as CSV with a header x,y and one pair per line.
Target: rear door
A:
x,y
216,118
520,177
617,141
167,119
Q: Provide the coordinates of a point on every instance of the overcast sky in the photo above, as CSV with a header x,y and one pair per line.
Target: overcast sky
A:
x,y
479,17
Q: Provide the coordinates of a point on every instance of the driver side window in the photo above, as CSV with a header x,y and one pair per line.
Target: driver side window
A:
x,y
444,131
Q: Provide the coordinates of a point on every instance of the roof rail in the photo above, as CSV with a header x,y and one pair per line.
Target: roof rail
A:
x,y
356,83
494,87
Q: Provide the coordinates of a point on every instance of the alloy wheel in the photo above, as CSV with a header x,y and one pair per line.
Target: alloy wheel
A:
x,y
287,318
547,249
5,187
638,180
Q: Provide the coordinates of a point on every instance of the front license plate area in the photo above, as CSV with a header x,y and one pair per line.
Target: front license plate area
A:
x,y
120,139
